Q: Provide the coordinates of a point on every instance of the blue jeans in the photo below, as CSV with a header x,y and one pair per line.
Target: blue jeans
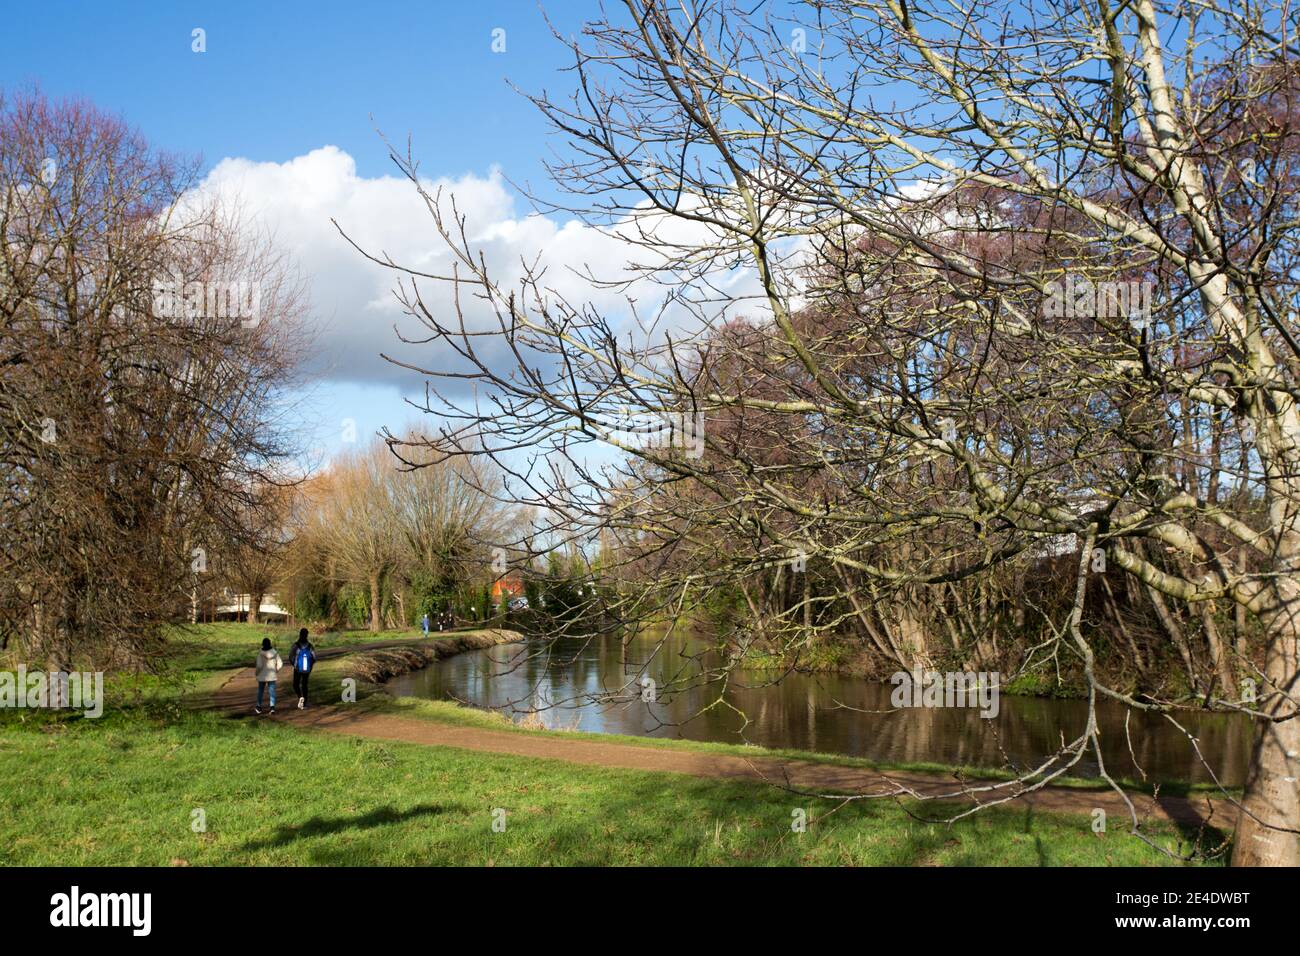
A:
x,y
264,685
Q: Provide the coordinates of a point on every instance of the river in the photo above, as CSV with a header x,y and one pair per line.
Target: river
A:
x,y
570,683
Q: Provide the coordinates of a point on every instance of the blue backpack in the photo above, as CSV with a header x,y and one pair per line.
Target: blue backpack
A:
x,y
303,660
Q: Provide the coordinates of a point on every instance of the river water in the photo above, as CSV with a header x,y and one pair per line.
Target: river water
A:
x,y
597,685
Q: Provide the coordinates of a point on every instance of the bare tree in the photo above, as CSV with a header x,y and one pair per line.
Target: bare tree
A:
x,y
357,524
255,564
449,516
1022,278
136,383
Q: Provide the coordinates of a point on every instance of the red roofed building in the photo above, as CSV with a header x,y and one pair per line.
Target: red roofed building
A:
x,y
506,587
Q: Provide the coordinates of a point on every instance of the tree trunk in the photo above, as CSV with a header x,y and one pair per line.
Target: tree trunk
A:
x,y
1272,795
913,641
1135,652
1239,622
1218,651
255,608
374,603
1175,632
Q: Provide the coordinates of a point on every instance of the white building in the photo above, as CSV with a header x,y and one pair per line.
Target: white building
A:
x,y
236,606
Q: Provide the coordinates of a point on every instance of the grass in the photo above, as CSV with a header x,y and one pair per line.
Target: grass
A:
x,y
204,648
202,655
446,712
230,645
123,790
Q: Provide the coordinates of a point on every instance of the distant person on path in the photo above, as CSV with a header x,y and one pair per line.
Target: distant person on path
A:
x,y
268,667
304,657
426,624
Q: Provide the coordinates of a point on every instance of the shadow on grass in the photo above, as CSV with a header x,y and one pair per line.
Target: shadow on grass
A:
x,y
1193,820
327,826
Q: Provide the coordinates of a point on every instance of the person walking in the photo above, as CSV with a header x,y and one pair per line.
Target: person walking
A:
x,y
304,658
268,669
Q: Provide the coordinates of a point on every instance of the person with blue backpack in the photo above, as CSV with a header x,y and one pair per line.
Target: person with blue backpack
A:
x,y
304,656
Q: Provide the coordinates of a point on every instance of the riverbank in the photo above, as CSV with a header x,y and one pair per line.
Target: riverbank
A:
x,y
204,789
441,723
377,662
157,783
845,662
847,658
374,663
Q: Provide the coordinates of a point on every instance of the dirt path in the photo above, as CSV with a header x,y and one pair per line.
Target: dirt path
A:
x,y
236,696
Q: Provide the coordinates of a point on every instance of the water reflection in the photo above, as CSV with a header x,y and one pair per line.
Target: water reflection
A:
x,y
594,685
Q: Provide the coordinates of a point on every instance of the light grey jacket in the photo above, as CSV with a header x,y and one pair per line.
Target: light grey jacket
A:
x,y
268,662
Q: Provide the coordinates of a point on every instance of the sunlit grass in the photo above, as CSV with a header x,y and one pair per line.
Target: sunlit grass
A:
x,y
225,645
123,790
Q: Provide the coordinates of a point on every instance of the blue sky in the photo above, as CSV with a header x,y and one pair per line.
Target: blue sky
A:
x,y
278,80
282,81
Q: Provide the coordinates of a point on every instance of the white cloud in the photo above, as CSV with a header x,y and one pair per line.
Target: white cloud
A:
x,y
353,309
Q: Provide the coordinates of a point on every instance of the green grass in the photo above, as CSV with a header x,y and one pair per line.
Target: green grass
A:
x,y
447,712
211,647
122,790
200,656
328,673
